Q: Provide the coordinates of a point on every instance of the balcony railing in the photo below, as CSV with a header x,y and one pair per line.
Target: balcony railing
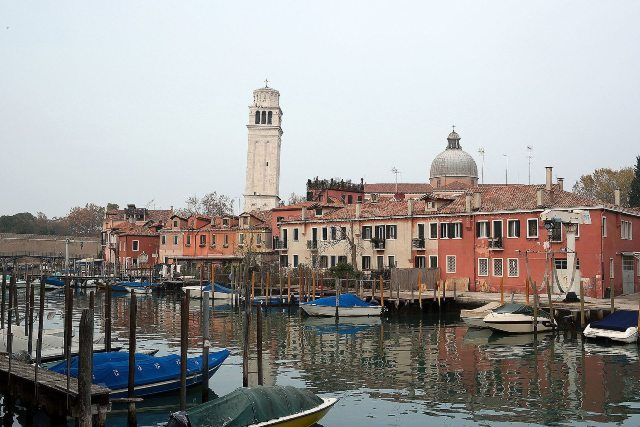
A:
x,y
280,245
418,243
496,243
312,244
378,243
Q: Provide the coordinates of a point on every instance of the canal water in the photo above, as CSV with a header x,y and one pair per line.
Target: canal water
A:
x,y
408,368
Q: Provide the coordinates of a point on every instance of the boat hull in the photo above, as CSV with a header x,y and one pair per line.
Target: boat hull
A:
x,y
195,292
164,386
516,323
326,311
474,322
628,336
303,419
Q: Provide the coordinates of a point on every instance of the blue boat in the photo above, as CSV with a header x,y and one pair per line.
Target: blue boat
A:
x,y
220,291
54,281
154,375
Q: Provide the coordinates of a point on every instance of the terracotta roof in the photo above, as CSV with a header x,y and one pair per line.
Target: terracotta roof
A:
x,y
403,187
455,185
384,208
136,230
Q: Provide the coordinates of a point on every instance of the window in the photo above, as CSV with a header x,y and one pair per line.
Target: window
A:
x,y
188,242
135,245
482,229
284,261
269,117
451,230
604,226
259,239
532,228
556,232
324,261
226,240
359,199
225,222
420,231
433,230
334,233
497,267
451,263
611,268
175,240
295,261
366,232
333,260
264,118
342,259
366,262
175,223
392,231
295,234
213,240
433,261
392,261
241,240
483,267
419,262
512,266
625,230
203,239
163,240
324,233
379,232
318,211
513,228
343,233
497,229
444,231
257,118
562,264
380,262
349,199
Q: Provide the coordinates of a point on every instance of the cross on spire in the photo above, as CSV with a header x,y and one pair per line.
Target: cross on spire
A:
x,y
454,127
266,82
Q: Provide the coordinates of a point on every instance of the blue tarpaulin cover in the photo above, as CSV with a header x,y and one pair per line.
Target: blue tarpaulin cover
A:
x,y
53,280
111,369
346,300
218,288
619,320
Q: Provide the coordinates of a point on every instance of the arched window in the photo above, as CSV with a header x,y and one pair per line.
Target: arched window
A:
x,y
257,117
264,117
269,116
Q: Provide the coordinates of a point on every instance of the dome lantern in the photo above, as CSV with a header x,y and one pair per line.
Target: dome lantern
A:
x,y
453,165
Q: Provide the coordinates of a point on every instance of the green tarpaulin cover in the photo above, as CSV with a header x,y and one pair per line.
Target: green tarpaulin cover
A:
x,y
246,406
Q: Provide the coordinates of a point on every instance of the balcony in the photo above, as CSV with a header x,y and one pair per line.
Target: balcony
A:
x,y
496,244
418,243
378,243
280,245
312,245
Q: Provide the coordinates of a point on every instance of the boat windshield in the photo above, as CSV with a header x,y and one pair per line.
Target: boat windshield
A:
x,y
527,310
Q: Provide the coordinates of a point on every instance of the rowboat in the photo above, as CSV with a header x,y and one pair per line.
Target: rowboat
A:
x,y
262,406
473,318
517,319
219,291
621,326
154,375
348,305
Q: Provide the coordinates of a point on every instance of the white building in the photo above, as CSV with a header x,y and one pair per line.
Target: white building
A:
x,y
263,152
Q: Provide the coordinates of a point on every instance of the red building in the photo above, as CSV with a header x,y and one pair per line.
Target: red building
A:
x,y
137,246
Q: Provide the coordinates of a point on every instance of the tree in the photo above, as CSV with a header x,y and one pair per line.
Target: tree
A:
x,y
634,190
212,204
602,183
344,271
85,221
112,207
295,199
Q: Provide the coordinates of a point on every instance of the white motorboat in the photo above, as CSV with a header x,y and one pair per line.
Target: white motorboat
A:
x,y
219,292
474,318
621,326
349,305
517,319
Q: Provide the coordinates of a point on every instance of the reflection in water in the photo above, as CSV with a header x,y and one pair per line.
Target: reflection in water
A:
x,y
408,369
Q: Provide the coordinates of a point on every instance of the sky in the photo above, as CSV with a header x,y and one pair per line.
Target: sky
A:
x,y
146,102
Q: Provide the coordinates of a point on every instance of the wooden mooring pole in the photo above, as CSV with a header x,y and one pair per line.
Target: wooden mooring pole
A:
x,y
582,313
131,413
245,341
259,343
205,345
12,284
39,339
184,344
107,318
612,294
85,368
68,332
32,291
2,300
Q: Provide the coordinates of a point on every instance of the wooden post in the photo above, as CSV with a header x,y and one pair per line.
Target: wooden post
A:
x,y
15,303
526,290
205,346
313,289
107,318
213,282
337,282
26,306
502,289
550,301
85,368
245,341
300,286
32,291
253,286
68,331
381,291
397,292
420,289
612,294
12,284
259,342
131,415
268,293
289,287
184,343
2,300
535,307
280,284
39,340
373,288
582,313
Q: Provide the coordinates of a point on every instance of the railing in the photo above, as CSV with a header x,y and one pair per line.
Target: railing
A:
x,y
378,243
496,243
280,245
312,244
418,243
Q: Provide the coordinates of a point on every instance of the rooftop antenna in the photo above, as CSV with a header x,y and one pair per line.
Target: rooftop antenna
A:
x,y
506,170
396,172
481,152
529,156
266,83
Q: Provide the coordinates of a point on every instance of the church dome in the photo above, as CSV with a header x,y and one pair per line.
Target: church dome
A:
x,y
454,162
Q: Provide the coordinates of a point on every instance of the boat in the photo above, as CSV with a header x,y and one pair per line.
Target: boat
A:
x,y
262,406
473,318
517,319
348,305
154,374
621,326
219,291
136,287
54,281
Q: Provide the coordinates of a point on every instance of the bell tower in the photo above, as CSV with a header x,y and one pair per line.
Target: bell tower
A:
x,y
263,153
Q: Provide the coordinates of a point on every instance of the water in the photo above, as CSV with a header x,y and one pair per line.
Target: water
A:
x,y
406,369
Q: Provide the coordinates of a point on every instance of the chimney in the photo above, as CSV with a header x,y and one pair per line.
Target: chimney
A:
x,y
410,207
467,202
539,198
477,200
303,214
561,183
549,177
358,207
616,197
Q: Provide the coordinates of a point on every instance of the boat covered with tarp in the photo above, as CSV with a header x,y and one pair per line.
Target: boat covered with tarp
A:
x,y
136,287
348,305
218,291
621,325
283,406
153,375
54,281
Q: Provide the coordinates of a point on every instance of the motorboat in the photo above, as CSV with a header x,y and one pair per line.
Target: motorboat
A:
x,y
154,374
474,318
517,319
217,292
262,406
137,287
621,326
348,305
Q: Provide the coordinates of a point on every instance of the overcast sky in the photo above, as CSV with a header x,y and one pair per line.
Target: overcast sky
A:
x,y
146,101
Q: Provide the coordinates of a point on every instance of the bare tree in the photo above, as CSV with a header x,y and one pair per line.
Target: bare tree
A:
x,y
211,204
353,245
294,199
